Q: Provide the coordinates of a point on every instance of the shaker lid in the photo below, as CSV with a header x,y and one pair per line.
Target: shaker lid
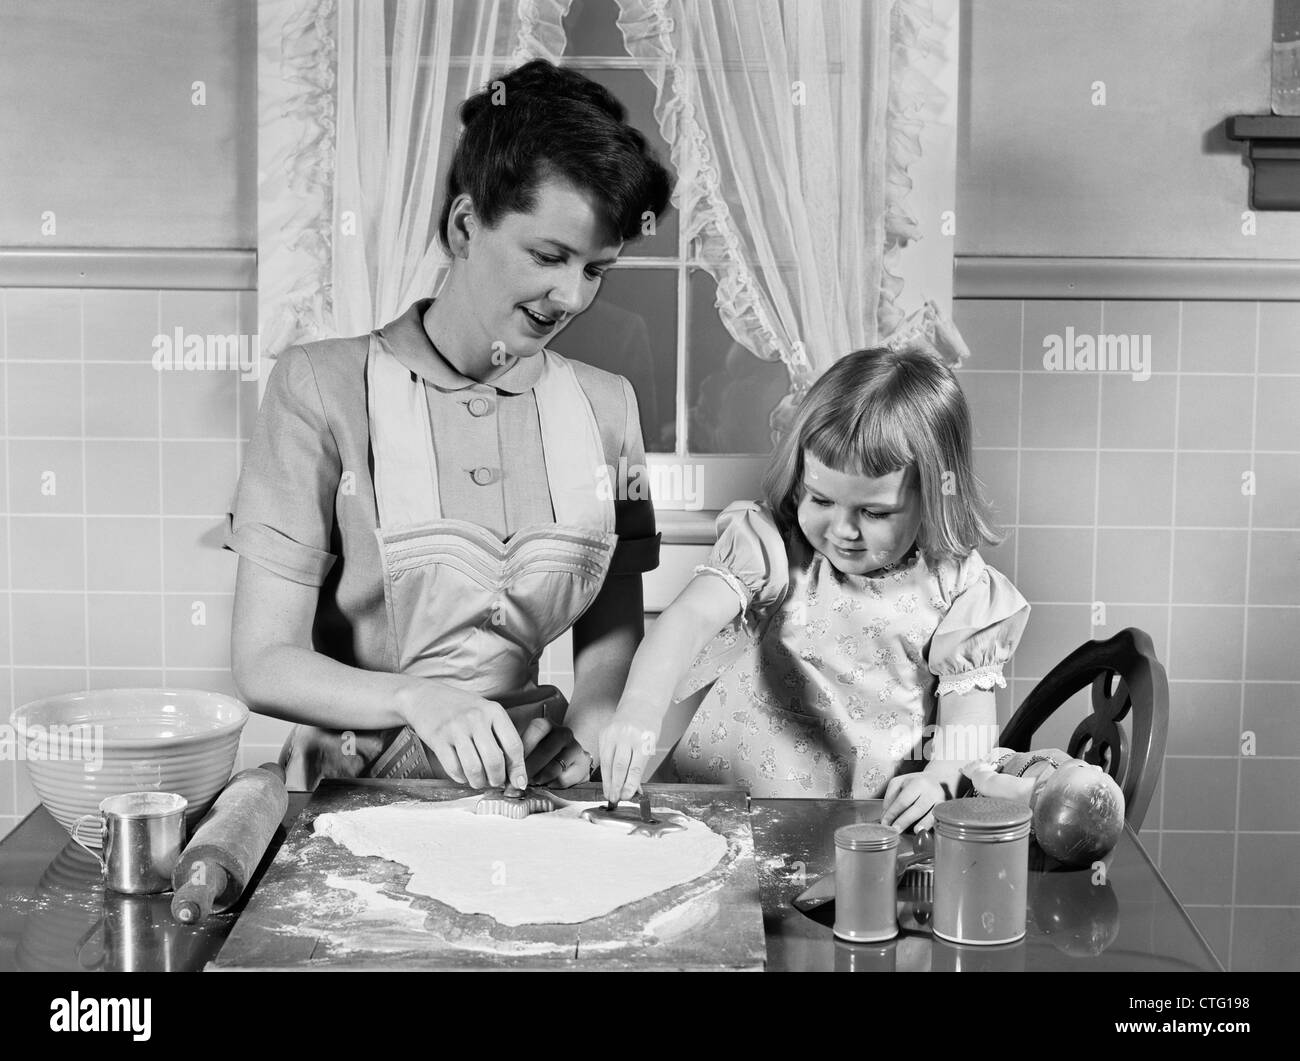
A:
x,y
981,812
866,836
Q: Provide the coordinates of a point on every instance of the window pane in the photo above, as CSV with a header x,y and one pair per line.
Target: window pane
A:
x,y
591,28
637,93
730,392
631,329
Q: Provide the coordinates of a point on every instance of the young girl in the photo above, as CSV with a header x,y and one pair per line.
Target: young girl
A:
x,y
835,624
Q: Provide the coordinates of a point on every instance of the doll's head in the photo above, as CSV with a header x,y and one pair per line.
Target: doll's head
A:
x,y
878,458
1078,814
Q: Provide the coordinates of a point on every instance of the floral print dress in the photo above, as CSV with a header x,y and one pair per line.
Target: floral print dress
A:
x,y
823,684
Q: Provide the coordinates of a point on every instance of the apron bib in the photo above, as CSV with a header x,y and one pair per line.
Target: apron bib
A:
x,y
464,607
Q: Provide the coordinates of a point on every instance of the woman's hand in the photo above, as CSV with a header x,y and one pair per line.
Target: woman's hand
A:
x,y
626,745
472,738
554,756
910,799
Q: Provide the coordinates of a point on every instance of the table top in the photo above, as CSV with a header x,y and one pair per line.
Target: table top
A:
x,y
55,914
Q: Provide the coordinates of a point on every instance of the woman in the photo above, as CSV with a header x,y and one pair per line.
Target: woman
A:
x,y
423,509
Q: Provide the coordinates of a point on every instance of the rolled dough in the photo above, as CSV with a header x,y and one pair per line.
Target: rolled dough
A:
x,y
550,868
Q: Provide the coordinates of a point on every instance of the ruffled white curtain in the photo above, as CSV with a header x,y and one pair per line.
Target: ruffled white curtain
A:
x,y
353,147
792,125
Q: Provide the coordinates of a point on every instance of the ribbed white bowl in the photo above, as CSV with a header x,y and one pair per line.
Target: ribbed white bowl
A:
x,y
164,740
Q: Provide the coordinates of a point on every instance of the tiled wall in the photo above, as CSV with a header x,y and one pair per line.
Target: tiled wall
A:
x,y
1131,494
117,478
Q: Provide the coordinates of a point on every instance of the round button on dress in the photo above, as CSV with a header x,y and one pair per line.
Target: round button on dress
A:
x,y
483,476
479,406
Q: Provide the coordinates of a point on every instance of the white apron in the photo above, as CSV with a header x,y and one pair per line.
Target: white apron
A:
x,y
464,607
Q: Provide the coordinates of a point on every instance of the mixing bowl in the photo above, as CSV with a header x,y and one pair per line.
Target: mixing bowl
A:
x,y
81,747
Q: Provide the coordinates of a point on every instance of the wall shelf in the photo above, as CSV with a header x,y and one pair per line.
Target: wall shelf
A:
x,y
1273,147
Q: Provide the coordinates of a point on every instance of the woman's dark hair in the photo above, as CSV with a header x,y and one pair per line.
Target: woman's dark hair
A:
x,y
541,121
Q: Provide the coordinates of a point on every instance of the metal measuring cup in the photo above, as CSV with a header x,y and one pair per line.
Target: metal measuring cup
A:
x,y
142,834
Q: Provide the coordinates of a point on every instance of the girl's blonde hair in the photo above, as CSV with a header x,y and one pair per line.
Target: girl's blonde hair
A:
x,y
878,411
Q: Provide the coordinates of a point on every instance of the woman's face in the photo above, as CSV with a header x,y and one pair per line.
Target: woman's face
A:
x,y
857,522
534,272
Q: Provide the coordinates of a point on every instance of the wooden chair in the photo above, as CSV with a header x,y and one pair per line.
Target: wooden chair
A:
x,y
1125,677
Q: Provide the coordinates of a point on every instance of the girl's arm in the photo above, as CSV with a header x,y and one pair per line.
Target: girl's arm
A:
x,y
675,639
967,730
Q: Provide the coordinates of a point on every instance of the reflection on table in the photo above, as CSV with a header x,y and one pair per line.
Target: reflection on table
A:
x,y
1122,917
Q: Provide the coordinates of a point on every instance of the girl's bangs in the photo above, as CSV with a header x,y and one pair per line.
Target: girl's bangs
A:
x,y
874,444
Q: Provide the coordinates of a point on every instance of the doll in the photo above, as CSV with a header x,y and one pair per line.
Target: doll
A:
x,y
1078,810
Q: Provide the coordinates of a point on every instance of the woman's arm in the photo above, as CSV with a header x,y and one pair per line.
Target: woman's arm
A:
x,y
279,673
605,639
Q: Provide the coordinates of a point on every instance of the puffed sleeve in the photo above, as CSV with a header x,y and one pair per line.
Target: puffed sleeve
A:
x,y
750,557
985,619
284,506
634,514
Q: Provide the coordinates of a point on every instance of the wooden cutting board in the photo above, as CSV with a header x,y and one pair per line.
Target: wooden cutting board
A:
x,y
320,906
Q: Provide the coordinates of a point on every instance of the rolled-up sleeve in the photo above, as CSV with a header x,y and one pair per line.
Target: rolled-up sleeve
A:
x,y
284,506
634,514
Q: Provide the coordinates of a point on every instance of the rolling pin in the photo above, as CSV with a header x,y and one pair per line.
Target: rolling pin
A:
x,y
215,866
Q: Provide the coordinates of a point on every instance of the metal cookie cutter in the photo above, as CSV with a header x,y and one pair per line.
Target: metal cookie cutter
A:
x,y
636,818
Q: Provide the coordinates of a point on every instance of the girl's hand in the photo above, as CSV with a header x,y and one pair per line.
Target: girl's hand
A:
x,y
626,745
554,756
473,739
909,800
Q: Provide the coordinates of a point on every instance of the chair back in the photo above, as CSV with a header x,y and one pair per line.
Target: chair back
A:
x,y
1127,680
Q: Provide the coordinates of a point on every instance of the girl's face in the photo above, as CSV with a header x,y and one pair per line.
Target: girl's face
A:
x,y
534,272
857,522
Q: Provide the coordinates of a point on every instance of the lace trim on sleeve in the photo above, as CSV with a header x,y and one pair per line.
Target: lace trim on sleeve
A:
x,y
730,579
980,677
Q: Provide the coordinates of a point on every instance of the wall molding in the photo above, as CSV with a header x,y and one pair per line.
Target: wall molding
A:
x,y
144,267
1152,279
974,276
